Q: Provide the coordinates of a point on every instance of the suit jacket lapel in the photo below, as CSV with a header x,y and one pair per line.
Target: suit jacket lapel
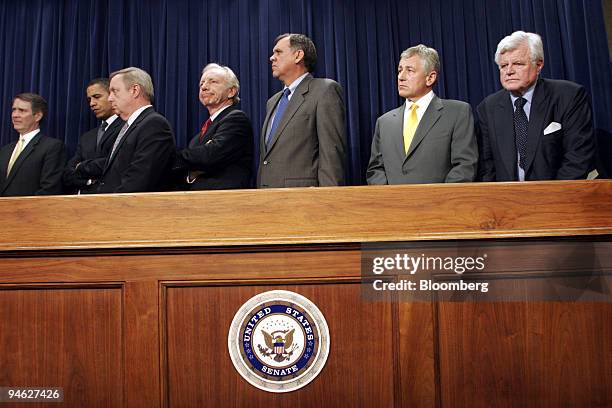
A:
x,y
429,119
537,113
212,129
397,130
503,117
111,129
130,129
4,160
264,131
22,157
294,104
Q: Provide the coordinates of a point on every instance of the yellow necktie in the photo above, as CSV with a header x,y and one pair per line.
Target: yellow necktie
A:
x,y
15,155
410,126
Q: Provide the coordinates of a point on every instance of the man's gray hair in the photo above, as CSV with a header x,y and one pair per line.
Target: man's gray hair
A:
x,y
230,78
429,56
137,76
516,39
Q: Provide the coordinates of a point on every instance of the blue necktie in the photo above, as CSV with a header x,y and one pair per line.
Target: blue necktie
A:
x,y
520,130
280,110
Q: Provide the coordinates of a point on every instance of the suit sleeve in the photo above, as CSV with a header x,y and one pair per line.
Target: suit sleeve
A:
x,y
464,151
71,179
331,132
91,168
375,173
151,159
225,146
578,139
486,164
51,170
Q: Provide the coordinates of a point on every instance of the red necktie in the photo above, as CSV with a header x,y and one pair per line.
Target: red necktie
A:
x,y
204,129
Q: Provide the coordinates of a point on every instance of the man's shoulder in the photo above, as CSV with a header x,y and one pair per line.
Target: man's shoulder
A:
x,y
392,113
49,141
561,87
91,133
323,83
494,98
151,117
233,113
454,104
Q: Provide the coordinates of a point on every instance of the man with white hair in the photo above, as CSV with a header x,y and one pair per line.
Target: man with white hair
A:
x,y
140,159
220,155
534,128
427,139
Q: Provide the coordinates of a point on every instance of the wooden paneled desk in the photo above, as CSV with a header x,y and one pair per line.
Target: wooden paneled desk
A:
x,y
126,300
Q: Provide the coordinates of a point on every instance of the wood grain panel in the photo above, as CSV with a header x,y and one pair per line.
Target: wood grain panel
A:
x,y
295,262
416,355
68,338
359,370
536,354
142,346
307,215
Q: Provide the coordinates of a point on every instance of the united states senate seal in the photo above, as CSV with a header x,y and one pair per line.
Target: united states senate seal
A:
x,y
278,341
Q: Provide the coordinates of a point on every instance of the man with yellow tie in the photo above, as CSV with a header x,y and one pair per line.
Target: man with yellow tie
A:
x,y
33,164
427,139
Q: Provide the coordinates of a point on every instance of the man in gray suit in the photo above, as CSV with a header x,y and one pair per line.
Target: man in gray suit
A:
x,y
303,139
427,139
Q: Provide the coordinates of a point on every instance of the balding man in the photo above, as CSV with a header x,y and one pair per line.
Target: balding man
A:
x,y
140,159
220,156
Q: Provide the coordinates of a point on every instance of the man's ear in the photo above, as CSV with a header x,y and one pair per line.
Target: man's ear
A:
x,y
539,65
299,56
38,116
231,93
431,78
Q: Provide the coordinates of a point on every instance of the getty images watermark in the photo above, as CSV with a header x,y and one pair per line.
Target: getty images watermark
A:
x,y
404,263
492,270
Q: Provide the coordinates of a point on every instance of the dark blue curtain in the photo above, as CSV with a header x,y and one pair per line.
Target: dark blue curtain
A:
x,y
54,48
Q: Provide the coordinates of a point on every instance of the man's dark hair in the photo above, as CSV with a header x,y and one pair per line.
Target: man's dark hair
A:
x,y
301,42
38,102
104,82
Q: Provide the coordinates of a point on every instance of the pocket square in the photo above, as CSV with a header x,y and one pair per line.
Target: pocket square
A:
x,y
553,127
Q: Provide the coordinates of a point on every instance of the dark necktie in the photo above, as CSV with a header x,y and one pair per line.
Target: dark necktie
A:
x,y
280,110
204,129
101,130
520,130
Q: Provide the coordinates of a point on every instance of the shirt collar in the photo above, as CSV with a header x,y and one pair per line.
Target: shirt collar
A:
x,y
217,113
528,95
296,83
423,102
136,113
30,135
110,120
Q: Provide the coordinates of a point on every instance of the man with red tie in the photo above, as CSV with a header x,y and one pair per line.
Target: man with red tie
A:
x,y
220,155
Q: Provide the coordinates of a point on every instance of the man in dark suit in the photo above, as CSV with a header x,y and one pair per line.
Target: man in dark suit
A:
x,y
533,129
95,143
33,164
141,157
427,139
220,156
303,139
